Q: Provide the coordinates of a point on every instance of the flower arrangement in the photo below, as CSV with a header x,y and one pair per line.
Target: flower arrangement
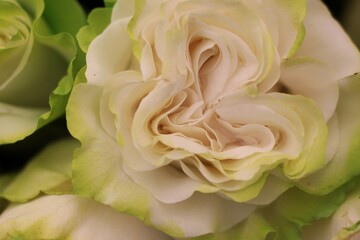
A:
x,y
189,119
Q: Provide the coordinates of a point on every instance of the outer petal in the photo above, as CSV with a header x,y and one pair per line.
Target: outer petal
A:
x,y
71,217
312,79
98,20
285,23
284,218
326,41
123,9
116,31
97,72
97,172
344,224
345,163
325,56
48,172
16,123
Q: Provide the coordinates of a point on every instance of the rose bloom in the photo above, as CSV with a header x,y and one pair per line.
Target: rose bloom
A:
x,y
196,112
36,47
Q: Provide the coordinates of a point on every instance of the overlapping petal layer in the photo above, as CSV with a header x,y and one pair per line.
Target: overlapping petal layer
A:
x,y
210,105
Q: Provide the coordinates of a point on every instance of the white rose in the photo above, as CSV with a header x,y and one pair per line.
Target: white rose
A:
x,y
219,107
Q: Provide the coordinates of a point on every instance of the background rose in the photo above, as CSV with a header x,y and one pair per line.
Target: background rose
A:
x,y
148,142
36,48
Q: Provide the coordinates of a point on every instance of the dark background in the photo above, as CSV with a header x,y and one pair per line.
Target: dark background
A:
x,y
337,7
14,156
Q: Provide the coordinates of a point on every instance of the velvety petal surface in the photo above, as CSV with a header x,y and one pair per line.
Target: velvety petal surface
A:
x,y
71,217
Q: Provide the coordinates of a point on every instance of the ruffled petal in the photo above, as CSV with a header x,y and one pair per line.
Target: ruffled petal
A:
x,y
98,173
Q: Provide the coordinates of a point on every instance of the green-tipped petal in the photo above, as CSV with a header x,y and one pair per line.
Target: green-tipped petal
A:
x,y
289,16
71,217
295,208
285,217
297,118
48,172
345,164
342,225
16,122
98,20
4,182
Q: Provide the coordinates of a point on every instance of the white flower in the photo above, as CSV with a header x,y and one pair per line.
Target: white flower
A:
x,y
210,103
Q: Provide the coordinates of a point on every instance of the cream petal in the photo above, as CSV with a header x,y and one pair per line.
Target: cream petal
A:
x,y
303,131
312,79
127,90
289,30
238,109
148,107
181,141
272,189
71,217
211,171
327,42
313,154
123,9
344,163
252,135
189,115
191,133
176,188
97,72
197,209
